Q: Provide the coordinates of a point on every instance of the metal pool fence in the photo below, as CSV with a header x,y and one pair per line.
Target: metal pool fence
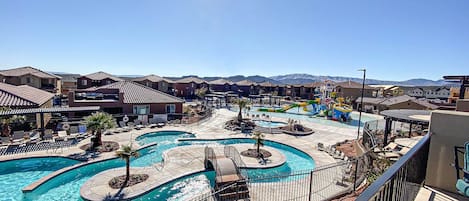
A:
x,y
322,183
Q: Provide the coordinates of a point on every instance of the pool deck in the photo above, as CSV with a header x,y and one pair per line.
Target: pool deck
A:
x,y
213,128
178,162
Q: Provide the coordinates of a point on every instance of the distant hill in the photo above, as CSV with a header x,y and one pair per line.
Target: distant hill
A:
x,y
307,78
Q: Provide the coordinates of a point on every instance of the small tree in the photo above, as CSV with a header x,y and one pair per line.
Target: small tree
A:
x,y
6,121
242,103
258,140
125,153
97,123
201,92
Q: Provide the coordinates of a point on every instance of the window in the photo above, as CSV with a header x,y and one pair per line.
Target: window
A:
x,y
141,109
170,108
84,82
28,80
108,81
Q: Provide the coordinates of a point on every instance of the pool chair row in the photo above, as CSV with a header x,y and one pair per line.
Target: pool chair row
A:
x,y
137,125
332,151
392,151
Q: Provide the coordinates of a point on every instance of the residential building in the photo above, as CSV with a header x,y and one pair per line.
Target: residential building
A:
x,y
186,87
25,96
271,88
155,82
32,77
222,85
69,82
96,80
325,88
376,105
428,92
387,90
129,98
352,90
454,94
248,87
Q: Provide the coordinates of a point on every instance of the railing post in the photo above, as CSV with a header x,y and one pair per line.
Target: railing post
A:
x,y
355,175
310,185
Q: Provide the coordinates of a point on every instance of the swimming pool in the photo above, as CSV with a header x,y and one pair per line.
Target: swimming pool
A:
x,y
299,114
17,174
269,124
197,183
67,186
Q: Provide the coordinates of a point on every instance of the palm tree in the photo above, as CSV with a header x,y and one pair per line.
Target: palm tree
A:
x,y
96,123
242,103
259,140
201,92
125,153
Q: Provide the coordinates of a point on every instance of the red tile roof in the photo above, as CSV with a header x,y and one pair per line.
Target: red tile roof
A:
x,y
23,95
137,93
27,70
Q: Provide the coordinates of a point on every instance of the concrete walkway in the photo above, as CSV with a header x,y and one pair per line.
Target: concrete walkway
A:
x,y
178,162
213,128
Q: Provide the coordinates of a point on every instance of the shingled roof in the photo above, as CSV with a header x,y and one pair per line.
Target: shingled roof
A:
x,y
100,75
22,96
137,93
152,78
28,70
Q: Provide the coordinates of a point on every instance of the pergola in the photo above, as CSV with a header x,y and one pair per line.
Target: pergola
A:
x,y
220,95
412,117
463,79
261,96
41,112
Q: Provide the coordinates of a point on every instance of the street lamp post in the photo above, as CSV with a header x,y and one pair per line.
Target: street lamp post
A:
x,y
361,103
359,125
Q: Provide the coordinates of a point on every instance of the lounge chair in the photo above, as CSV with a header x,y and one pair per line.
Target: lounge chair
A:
x,y
462,185
47,137
18,137
62,136
321,147
152,123
124,127
138,124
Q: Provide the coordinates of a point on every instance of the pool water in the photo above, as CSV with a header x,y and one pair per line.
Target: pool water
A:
x,y
269,124
17,174
67,186
299,114
200,182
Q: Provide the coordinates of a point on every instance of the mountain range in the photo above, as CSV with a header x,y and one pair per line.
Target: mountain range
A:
x,y
307,78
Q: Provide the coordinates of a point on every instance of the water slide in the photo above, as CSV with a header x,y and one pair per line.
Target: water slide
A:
x,y
293,105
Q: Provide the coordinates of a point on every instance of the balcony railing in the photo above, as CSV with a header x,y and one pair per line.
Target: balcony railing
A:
x,y
404,178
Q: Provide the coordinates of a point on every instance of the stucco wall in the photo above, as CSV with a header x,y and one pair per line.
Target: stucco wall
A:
x,y
448,129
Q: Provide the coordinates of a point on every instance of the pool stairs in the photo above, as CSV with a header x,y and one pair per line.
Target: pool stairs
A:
x,y
230,180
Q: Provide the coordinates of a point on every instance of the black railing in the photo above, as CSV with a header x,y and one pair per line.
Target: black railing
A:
x,y
404,178
322,183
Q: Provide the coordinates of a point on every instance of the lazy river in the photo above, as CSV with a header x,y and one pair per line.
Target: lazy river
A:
x,y
66,186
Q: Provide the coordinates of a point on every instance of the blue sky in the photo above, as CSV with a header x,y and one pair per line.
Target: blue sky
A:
x,y
393,39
